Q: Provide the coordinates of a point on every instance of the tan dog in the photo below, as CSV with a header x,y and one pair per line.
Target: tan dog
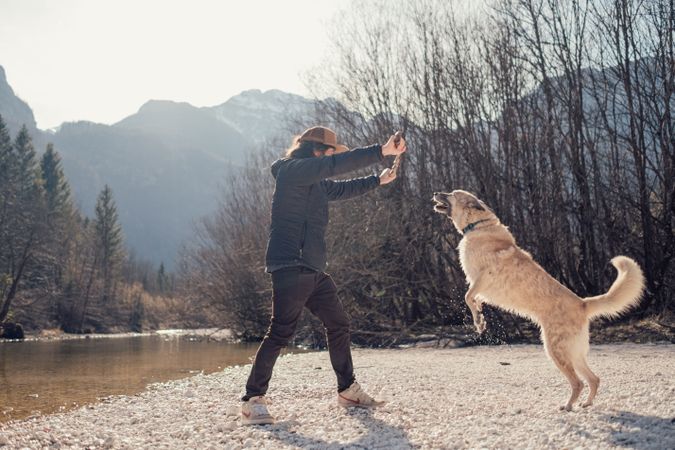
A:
x,y
501,274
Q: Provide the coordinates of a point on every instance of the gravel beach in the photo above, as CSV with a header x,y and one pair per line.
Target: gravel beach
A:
x,y
478,397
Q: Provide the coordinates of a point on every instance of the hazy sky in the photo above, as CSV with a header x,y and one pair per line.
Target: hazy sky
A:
x,y
100,60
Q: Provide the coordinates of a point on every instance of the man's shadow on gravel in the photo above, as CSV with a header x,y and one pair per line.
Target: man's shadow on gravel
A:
x,y
379,435
642,432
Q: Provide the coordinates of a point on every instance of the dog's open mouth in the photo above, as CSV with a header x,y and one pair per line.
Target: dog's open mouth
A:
x,y
442,205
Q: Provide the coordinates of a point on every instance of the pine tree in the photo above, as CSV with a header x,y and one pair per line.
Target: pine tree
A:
x,y
60,212
57,190
109,239
7,175
23,217
6,151
29,180
7,200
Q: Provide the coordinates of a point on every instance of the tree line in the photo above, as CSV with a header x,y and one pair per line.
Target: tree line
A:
x,y
557,114
59,268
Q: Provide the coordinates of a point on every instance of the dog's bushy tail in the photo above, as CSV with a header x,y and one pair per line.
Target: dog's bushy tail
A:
x,y
625,292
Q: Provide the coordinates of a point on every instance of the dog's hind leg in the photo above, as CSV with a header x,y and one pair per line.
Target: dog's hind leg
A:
x,y
561,358
593,381
581,365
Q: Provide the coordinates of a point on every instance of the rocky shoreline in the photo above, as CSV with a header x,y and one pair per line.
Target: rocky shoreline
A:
x,y
475,397
641,332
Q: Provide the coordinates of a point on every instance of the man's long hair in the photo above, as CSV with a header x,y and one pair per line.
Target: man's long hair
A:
x,y
304,149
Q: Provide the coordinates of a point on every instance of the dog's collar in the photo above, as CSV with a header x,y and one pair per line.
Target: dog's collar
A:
x,y
471,226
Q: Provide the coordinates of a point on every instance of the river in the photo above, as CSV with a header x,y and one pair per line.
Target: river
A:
x,y
49,376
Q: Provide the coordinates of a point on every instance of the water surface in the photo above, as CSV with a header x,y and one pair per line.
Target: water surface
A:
x,y
48,376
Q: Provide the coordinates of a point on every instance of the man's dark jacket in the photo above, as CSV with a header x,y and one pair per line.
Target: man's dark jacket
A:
x,y
300,204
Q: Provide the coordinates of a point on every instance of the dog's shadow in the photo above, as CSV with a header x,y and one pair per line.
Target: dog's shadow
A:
x,y
642,432
379,434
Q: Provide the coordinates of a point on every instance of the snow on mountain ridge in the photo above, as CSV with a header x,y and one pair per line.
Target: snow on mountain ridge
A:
x,y
273,101
262,116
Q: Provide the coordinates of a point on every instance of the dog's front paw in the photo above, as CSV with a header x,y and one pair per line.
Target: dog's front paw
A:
x,y
480,324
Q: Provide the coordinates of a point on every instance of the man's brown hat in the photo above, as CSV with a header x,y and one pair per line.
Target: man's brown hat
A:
x,y
324,136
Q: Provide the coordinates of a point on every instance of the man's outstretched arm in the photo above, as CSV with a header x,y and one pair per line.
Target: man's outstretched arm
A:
x,y
346,189
307,171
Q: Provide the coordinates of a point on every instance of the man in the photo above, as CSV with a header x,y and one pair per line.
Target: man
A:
x,y
296,257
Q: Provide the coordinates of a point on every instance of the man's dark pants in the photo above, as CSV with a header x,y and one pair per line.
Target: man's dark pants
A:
x,y
293,288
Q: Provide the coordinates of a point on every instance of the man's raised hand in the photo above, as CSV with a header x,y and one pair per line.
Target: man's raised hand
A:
x,y
395,145
387,176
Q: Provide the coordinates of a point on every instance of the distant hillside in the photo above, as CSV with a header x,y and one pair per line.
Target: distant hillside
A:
x,y
184,130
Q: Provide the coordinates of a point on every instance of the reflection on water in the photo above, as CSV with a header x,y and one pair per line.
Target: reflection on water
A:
x,y
50,376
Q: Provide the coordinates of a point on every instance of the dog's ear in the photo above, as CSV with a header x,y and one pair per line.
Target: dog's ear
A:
x,y
475,204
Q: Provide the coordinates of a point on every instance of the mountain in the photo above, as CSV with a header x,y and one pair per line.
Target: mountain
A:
x,y
166,163
159,187
14,111
183,128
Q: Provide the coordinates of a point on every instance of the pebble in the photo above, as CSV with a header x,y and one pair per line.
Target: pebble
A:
x,y
109,442
229,426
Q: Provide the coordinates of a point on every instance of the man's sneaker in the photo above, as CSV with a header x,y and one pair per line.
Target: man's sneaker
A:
x,y
355,396
254,412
